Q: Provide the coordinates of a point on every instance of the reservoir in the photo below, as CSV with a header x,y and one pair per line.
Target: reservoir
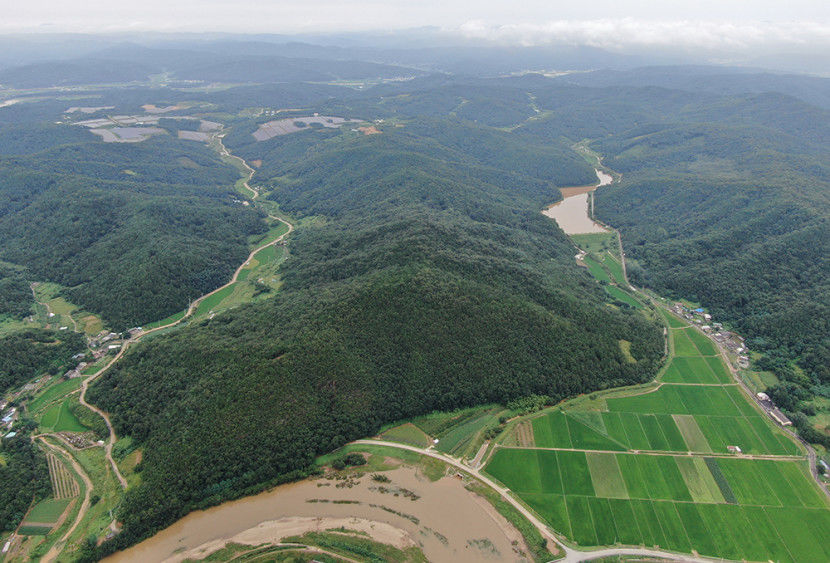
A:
x,y
572,213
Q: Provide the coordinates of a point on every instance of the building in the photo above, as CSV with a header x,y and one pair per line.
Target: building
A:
x,y
779,417
733,449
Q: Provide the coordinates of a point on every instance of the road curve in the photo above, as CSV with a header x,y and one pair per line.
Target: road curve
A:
x,y
571,555
190,310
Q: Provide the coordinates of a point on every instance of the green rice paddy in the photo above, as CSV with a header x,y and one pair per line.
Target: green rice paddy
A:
x,y
652,468
670,502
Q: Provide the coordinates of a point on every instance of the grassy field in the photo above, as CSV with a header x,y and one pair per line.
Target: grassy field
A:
x,y
596,269
623,296
406,433
59,418
597,243
56,389
614,267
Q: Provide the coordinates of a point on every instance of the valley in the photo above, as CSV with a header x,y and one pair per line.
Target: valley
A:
x,y
344,331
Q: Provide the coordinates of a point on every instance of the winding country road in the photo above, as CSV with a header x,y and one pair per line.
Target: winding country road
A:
x,y
571,555
190,311
59,545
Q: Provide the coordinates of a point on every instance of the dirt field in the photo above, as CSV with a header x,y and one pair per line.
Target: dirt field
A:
x,y
447,521
286,126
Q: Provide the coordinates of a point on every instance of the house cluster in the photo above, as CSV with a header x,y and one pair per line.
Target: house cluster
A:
x,y
106,343
735,343
9,417
772,410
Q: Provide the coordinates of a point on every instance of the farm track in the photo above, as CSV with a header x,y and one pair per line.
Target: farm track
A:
x,y
58,546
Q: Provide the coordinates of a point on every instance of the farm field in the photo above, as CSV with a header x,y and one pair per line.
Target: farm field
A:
x,y
597,243
652,468
596,269
623,296
58,388
678,501
47,511
605,267
59,418
459,433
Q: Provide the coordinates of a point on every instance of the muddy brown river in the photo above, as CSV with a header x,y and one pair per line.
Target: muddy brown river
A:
x,y
448,522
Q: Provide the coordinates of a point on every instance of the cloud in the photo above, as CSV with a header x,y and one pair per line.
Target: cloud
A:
x,y
630,32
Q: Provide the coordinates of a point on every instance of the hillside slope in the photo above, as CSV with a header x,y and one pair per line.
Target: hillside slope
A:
x,y
433,283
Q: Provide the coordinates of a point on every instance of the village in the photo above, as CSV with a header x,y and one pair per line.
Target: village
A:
x,y
737,352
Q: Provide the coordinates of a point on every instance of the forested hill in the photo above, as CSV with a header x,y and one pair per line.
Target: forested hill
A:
x,y
431,281
733,211
134,230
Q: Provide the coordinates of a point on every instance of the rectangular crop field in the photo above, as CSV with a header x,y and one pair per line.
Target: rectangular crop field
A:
x,y
606,476
683,345
47,511
678,399
696,369
702,342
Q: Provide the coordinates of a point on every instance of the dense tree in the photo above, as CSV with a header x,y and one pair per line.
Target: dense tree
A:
x,y
27,354
25,478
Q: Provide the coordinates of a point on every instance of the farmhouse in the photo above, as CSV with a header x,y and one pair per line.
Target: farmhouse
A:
x,y
733,449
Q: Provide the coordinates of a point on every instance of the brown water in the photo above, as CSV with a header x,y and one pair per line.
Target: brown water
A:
x,y
572,213
452,522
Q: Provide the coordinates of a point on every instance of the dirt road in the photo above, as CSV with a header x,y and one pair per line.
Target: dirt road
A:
x,y
58,546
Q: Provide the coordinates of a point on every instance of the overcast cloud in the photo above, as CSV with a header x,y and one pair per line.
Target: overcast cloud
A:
x,y
602,23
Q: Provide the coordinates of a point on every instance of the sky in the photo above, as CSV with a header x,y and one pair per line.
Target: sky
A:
x,y
602,23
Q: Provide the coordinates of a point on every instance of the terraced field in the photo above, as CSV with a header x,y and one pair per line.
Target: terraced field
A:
x,y
652,468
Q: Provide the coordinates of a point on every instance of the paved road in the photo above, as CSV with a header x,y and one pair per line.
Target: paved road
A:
x,y
812,457
571,555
